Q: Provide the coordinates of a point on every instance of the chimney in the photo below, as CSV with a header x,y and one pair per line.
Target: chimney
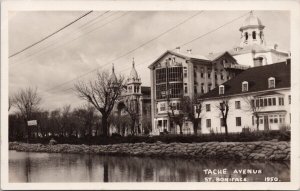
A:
x,y
178,49
275,46
258,61
189,51
288,62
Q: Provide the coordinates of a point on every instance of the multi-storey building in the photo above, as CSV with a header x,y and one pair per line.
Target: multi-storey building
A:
x,y
175,75
260,95
134,104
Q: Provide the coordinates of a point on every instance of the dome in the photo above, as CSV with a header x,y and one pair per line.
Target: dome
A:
x,y
113,76
133,73
252,21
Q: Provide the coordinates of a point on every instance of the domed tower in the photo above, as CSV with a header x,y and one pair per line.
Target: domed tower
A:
x,y
252,31
113,77
133,81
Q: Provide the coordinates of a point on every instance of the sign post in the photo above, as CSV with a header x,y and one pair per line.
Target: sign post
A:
x,y
30,123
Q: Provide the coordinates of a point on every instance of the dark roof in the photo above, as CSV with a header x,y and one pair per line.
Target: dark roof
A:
x,y
257,78
146,90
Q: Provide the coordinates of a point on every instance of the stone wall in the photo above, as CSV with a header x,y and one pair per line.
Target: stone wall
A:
x,y
261,150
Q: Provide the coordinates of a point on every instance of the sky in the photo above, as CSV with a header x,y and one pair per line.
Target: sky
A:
x,y
102,38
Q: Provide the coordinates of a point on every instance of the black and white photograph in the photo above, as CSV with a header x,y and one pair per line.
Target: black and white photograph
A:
x,y
200,96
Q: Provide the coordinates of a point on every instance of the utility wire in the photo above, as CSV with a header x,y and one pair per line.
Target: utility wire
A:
x,y
127,53
101,26
30,46
54,43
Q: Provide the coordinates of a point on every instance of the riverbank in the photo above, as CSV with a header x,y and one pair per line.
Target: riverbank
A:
x,y
260,150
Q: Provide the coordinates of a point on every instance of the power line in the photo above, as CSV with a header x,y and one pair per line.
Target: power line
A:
x,y
54,43
30,46
129,52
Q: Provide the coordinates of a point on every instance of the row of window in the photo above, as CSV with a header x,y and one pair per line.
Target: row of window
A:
x,y
238,122
261,102
174,90
170,74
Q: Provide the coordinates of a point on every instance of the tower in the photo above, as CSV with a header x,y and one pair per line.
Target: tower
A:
x,y
252,31
133,81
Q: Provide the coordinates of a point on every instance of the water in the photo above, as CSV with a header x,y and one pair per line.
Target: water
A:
x,y
59,167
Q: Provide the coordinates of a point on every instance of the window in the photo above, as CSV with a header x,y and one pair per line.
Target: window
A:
x,y
209,87
202,72
221,89
195,74
237,105
185,89
202,88
244,86
195,89
265,102
254,35
216,76
261,102
269,101
207,107
185,72
281,101
246,36
289,99
162,107
271,82
238,121
274,101
222,77
281,119
208,122
209,73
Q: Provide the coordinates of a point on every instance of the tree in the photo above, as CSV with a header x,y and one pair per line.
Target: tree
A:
x,y
27,102
87,118
253,107
176,116
132,107
192,108
102,93
224,109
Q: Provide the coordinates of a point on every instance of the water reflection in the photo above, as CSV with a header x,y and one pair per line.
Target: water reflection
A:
x,y
58,167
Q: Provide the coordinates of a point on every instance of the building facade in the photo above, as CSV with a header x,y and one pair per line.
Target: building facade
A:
x,y
175,75
260,95
132,113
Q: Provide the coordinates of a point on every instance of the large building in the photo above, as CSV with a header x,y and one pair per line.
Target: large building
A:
x,y
260,95
253,49
176,74
133,111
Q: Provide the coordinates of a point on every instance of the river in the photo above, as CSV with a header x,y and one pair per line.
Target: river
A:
x,y
60,167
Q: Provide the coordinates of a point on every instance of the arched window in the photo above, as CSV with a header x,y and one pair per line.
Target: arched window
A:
x,y
244,86
246,36
260,34
254,35
271,82
221,89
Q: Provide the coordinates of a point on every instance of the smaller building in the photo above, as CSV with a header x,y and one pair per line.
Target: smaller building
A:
x,y
259,97
132,113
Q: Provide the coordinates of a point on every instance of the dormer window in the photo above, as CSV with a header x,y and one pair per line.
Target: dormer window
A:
x,y
221,89
244,86
271,82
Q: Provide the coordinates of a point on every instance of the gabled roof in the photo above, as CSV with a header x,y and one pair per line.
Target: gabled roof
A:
x,y
257,78
216,56
182,55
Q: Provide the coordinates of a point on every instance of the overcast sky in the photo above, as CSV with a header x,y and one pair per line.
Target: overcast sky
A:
x,y
60,58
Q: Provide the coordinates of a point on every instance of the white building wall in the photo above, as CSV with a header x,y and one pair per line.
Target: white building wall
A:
x,y
245,113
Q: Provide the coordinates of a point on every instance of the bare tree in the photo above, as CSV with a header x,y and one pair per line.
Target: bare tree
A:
x,y
102,93
132,107
176,117
224,109
192,108
27,102
253,108
10,102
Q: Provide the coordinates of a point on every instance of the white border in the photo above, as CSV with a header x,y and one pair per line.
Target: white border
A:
x,y
292,6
